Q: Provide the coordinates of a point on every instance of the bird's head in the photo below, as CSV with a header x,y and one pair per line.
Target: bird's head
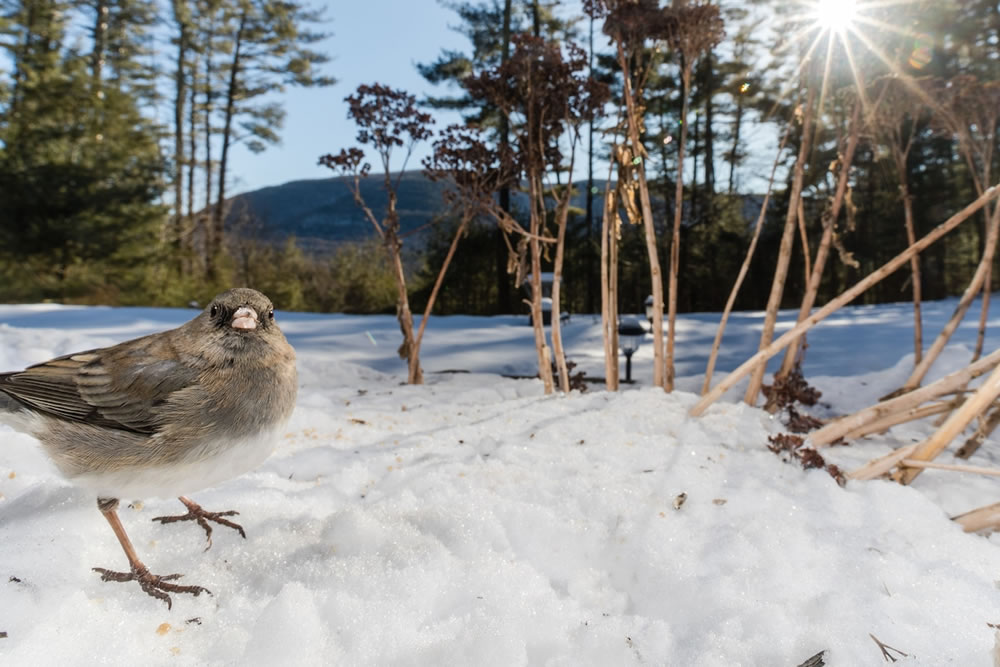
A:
x,y
240,316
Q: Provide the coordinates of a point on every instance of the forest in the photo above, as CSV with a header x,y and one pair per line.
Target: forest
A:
x,y
113,170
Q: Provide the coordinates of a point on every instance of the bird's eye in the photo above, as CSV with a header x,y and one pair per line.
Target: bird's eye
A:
x,y
214,311
270,314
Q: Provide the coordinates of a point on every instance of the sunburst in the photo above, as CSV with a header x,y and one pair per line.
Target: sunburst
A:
x,y
842,27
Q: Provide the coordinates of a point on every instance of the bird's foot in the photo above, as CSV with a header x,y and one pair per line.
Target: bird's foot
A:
x,y
155,585
196,513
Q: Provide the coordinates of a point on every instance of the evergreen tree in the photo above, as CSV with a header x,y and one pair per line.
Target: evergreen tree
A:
x,y
80,172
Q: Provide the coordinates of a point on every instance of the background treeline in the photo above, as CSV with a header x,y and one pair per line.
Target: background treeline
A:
x,y
113,172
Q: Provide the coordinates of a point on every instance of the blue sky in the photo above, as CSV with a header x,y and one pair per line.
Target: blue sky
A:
x,y
380,41
371,41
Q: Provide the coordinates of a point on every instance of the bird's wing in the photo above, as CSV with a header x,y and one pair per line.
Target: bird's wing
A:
x,y
118,387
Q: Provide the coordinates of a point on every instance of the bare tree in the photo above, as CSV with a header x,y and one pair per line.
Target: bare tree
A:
x,y
387,119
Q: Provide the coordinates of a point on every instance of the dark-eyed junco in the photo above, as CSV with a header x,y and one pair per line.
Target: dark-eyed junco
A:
x,y
162,415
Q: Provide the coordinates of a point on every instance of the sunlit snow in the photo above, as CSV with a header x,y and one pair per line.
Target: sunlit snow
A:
x,y
474,521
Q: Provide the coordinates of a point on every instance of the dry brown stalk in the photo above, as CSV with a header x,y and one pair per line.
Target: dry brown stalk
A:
x,y
562,214
887,422
829,222
717,343
894,120
609,285
954,467
900,404
800,215
981,519
883,464
849,295
785,249
459,233
975,285
537,219
692,30
971,114
984,431
634,122
972,408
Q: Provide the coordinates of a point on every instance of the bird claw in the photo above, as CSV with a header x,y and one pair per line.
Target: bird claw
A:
x,y
196,513
154,585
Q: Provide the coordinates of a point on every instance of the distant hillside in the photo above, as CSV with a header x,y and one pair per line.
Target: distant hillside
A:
x,y
321,212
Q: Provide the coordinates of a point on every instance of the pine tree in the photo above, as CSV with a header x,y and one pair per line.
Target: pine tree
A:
x,y
81,170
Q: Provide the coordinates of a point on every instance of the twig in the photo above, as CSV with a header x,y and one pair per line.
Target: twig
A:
x,y
956,467
885,648
887,422
882,465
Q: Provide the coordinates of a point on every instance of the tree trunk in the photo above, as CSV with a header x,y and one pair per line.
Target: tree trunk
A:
x,y
188,240
785,251
180,117
500,243
591,289
205,217
709,93
100,39
219,212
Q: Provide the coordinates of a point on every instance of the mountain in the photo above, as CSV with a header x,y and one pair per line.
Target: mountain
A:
x,y
321,213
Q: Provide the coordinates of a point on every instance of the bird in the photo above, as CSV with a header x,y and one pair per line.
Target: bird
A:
x,y
163,415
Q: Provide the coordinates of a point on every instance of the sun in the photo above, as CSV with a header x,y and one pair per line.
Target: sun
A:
x,y
835,15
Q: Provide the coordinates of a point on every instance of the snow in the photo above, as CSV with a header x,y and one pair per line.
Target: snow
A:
x,y
474,521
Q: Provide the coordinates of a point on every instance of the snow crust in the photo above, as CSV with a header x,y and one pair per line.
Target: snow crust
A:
x,y
474,521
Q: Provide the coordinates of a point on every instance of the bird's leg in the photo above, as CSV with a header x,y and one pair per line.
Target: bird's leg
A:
x,y
154,585
196,513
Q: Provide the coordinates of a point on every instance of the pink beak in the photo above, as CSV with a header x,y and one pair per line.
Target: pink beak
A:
x,y
244,318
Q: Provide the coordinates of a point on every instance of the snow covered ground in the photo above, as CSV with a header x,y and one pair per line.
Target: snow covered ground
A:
x,y
473,521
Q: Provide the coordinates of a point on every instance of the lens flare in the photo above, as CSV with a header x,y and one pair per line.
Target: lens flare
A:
x,y
923,51
835,15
